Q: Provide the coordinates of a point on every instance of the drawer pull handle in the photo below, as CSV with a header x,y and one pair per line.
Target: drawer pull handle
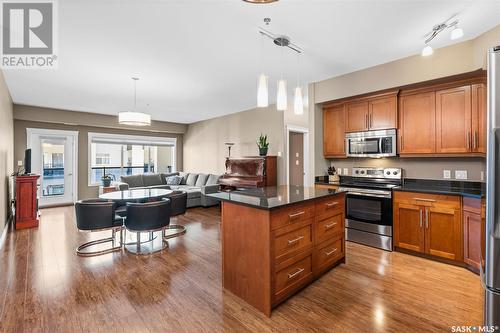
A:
x,y
329,253
331,204
331,225
296,215
422,199
292,275
293,241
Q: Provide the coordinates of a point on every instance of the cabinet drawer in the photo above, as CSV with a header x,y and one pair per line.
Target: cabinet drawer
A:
x,y
427,199
291,277
330,227
472,205
329,207
291,241
291,215
328,253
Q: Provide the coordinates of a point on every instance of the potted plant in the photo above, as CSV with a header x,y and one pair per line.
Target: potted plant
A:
x,y
106,180
263,145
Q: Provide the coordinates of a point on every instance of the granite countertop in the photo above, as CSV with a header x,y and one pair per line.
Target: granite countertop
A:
x,y
453,187
274,196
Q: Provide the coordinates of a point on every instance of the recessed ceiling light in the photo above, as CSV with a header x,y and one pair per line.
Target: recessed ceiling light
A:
x,y
260,1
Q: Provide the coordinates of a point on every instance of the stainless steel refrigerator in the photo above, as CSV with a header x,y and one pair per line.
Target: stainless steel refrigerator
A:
x,y
490,264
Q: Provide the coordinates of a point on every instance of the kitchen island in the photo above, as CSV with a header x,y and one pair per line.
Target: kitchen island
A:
x,y
277,240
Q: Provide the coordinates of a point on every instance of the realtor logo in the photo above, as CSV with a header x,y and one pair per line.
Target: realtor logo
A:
x,y
28,34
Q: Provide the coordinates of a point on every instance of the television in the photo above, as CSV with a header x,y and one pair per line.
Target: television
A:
x,y
27,161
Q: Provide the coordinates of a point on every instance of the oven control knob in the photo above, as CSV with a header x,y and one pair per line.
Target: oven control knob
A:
x,y
362,171
395,173
388,173
356,172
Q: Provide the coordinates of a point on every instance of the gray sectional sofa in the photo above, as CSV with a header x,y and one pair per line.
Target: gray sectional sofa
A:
x,y
197,185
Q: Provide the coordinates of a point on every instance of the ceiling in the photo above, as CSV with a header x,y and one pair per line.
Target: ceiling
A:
x,y
198,59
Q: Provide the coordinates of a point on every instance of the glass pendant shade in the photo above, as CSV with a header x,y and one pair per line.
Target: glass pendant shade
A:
x,y
134,118
281,102
298,103
427,51
262,92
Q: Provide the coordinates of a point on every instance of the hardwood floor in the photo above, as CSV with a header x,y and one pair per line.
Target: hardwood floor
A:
x,y
46,287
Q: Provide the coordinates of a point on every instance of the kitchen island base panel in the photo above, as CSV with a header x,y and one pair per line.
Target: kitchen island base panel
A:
x,y
265,264
246,263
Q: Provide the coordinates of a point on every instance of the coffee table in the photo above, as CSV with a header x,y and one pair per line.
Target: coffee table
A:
x,y
138,195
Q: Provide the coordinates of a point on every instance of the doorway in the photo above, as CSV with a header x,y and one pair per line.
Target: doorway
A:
x,y
53,157
297,150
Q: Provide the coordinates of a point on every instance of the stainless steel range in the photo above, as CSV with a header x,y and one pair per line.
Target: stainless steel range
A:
x,y
369,205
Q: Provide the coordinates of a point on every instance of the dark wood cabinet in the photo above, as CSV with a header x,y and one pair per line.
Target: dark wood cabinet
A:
x,y
26,211
334,131
429,224
417,124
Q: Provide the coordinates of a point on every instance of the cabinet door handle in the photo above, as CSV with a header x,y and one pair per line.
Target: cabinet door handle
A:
x,y
329,253
296,215
292,275
468,140
331,225
293,241
427,218
421,217
331,204
371,120
423,199
366,121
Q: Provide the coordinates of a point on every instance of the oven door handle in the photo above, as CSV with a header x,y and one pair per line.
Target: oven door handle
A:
x,y
370,194
380,145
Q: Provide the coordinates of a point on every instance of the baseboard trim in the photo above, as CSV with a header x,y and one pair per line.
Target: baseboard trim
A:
x,y
5,230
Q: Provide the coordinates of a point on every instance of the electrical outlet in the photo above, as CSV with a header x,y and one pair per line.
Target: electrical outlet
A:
x,y
279,154
482,176
19,163
446,174
296,162
346,171
460,174
339,171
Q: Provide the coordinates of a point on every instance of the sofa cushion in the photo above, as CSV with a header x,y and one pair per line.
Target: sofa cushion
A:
x,y
184,176
151,179
191,179
192,191
173,180
133,180
213,180
164,187
164,176
201,180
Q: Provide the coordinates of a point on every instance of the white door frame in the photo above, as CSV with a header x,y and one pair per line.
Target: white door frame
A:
x,y
305,158
30,132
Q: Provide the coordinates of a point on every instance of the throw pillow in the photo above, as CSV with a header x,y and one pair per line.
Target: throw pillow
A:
x,y
174,180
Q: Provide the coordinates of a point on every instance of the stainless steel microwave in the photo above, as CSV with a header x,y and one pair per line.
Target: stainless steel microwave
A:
x,y
371,144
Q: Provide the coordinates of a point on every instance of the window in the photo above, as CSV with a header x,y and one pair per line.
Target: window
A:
x,y
119,155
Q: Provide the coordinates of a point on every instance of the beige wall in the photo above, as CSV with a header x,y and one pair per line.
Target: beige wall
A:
x,y
455,59
204,149
84,190
6,152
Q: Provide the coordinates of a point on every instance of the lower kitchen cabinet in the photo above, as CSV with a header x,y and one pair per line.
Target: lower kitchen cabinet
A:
x,y
428,223
473,220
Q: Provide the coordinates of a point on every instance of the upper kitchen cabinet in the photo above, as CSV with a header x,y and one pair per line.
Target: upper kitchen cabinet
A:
x,y
453,120
382,112
479,118
417,123
334,131
372,113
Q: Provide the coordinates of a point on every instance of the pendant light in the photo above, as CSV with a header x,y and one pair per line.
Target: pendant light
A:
x,y
134,118
298,101
262,88
281,100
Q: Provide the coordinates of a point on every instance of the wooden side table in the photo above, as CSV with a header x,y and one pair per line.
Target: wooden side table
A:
x,y
26,211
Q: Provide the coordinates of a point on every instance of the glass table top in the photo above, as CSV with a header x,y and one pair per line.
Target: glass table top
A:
x,y
139,194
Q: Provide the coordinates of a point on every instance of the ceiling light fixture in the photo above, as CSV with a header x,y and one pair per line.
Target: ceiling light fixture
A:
x,y
456,33
134,118
427,51
298,101
263,88
281,98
